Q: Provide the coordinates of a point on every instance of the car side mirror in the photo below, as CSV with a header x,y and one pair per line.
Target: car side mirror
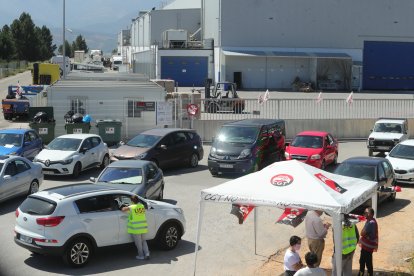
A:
x,y
92,179
7,177
26,144
164,147
371,130
83,150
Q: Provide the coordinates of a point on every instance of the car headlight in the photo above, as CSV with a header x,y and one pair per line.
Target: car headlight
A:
x,y
315,157
213,152
246,153
287,155
67,161
141,156
179,210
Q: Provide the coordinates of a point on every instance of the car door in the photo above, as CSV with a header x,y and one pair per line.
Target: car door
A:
x,y
152,181
124,237
389,174
36,144
97,149
162,153
28,149
382,180
86,153
10,180
330,148
99,216
181,149
24,176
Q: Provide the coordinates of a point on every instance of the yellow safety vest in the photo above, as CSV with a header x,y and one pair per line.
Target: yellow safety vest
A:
x,y
349,240
137,222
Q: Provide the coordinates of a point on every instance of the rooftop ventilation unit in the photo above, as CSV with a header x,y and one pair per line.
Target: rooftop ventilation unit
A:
x,y
175,39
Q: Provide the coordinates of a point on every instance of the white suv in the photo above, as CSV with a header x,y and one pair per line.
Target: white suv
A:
x,y
73,220
73,153
387,132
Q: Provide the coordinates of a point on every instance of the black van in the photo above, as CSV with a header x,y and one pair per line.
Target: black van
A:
x,y
246,146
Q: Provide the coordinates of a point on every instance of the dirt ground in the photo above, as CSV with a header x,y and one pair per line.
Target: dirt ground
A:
x,y
396,241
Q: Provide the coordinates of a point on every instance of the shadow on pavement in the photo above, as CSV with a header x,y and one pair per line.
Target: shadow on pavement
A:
x,y
110,259
178,171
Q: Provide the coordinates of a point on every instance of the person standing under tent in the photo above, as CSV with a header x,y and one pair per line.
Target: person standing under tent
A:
x,y
316,232
292,261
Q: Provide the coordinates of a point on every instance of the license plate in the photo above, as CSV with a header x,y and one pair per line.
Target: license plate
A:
x,y
48,172
226,166
26,239
383,148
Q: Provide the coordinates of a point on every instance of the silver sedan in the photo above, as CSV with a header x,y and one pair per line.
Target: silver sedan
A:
x,y
18,176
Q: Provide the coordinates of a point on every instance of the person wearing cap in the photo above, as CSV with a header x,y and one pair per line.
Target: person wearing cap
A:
x,y
350,237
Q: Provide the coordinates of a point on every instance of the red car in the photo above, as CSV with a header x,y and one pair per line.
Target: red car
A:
x,y
316,148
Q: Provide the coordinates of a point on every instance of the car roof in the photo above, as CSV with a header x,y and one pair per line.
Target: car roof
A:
x,y
15,130
74,189
364,160
401,121
408,142
313,133
164,131
4,158
78,136
129,163
254,122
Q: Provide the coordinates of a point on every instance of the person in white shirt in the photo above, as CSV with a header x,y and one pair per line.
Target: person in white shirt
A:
x,y
316,232
292,261
311,268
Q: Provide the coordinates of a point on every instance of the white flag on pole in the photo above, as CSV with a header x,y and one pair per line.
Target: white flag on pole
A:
x,y
263,97
19,90
349,100
319,98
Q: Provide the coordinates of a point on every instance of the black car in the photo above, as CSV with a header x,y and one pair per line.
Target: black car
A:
x,y
166,147
370,168
140,177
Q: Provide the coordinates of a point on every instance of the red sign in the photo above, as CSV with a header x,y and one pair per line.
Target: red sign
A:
x,y
192,109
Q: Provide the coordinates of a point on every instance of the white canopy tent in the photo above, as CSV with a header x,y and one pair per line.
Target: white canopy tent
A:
x,y
293,184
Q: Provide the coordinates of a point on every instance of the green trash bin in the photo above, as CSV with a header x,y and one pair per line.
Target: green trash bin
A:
x,y
110,131
45,130
77,128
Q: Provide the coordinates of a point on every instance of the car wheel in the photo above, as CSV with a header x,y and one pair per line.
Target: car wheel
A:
x,y
78,253
193,160
76,170
161,195
105,162
34,187
370,152
392,197
169,236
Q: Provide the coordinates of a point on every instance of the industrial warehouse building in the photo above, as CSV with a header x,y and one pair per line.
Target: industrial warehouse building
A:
x,y
268,44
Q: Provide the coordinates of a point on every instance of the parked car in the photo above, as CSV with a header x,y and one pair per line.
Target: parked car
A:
x,y
73,220
166,147
376,169
72,154
387,132
316,148
18,176
140,177
246,146
20,141
402,159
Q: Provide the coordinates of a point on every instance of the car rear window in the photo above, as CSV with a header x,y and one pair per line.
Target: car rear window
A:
x,y
38,206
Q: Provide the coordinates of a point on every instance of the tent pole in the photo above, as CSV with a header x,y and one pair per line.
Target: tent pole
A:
x,y
337,233
255,230
200,215
374,203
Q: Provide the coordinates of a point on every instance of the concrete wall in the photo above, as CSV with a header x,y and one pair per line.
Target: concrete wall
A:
x,y
340,128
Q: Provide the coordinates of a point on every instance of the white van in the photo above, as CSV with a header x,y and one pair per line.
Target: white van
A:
x,y
59,60
116,62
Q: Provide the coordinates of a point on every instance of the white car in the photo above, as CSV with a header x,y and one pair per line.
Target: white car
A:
x,y
402,159
72,153
73,220
387,132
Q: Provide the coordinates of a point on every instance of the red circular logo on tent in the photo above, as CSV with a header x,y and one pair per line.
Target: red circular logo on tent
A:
x,y
192,109
281,180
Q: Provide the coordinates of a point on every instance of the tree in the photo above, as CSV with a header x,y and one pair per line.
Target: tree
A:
x,y
25,38
68,49
46,46
7,50
80,44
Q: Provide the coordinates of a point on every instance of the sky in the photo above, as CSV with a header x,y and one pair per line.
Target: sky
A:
x,y
101,19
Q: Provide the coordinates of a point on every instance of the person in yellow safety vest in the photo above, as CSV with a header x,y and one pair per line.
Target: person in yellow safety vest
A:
x,y
350,237
137,226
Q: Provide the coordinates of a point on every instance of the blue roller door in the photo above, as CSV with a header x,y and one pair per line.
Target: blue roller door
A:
x,y
388,65
187,71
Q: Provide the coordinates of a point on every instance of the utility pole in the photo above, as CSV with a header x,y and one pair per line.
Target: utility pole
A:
x,y
63,45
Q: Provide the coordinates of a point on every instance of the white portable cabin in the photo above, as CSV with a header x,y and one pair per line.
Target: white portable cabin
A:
x,y
130,98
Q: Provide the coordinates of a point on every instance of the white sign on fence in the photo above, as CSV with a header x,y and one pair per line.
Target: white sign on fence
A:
x,y
77,131
164,113
109,130
43,131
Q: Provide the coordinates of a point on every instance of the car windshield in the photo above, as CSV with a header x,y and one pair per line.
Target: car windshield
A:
x,y
305,141
388,127
10,140
121,176
402,151
143,141
237,134
65,144
362,171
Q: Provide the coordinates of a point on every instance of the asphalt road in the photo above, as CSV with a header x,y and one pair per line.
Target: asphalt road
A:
x,y
226,248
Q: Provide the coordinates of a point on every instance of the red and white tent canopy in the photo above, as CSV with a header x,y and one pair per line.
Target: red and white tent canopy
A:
x,y
293,184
